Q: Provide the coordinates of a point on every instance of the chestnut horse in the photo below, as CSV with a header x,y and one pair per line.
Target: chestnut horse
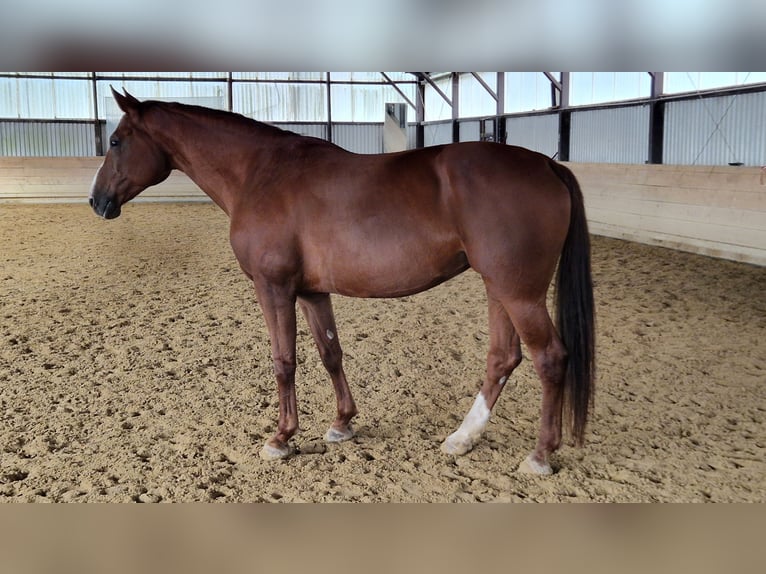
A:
x,y
308,218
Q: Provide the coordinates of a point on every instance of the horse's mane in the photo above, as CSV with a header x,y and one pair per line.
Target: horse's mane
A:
x,y
231,120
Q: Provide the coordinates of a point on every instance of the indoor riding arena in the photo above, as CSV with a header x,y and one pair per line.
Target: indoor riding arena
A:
x,y
135,362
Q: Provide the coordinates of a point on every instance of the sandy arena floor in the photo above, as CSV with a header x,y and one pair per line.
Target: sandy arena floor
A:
x,y
134,366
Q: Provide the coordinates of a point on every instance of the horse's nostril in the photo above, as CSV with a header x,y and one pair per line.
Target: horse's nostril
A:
x,y
90,201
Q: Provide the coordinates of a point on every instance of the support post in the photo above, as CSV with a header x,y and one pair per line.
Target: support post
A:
x,y
500,133
565,119
329,107
565,130
656,120
420,115
97,122
230,91
455,107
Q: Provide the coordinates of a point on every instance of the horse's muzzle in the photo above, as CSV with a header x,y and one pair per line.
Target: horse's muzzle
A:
x,y
105,207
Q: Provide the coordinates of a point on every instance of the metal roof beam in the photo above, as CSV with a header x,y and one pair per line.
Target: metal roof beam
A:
x,y
398,90
431,83
553,80
485,84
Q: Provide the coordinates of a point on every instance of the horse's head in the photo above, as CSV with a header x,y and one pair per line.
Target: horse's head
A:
x,y
133,162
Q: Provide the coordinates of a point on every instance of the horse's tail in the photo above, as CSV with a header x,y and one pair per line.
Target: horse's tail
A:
x,y
575,310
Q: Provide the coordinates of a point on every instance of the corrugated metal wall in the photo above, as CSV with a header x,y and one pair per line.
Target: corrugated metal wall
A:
x,y
112,112
612,135
437,134
46,98
470,131
281,102
312,130
359,138
717,130
44,139
475,100
539,133
527,91
713,130
412,136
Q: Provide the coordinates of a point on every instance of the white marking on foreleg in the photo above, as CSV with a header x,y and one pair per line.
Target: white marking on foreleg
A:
x,y
335,435
531,466
461,441
269,452
330,334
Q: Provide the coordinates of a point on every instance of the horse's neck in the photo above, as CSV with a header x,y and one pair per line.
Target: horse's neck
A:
x,y
217,160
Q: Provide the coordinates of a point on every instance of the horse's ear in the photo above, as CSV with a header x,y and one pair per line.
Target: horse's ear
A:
x,y
127,102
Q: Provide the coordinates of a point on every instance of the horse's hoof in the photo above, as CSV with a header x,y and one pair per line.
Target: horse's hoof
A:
x,y
269,452
531,466
336,435
457,445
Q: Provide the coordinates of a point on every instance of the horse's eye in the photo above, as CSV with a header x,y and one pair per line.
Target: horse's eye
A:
x,y
114,142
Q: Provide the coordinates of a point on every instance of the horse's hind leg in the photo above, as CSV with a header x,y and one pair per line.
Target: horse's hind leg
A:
x,y
504,356
318,311
549,357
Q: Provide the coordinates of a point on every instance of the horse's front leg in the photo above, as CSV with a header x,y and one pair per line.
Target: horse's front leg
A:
x,y
278,305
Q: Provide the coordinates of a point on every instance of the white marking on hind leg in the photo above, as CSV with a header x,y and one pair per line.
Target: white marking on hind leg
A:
x,y
330,334
461,441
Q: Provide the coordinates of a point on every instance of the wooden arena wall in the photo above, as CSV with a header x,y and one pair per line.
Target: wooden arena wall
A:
x,y
68,180
713,210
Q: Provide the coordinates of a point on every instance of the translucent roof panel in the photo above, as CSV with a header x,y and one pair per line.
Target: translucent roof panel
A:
x,y
679,82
